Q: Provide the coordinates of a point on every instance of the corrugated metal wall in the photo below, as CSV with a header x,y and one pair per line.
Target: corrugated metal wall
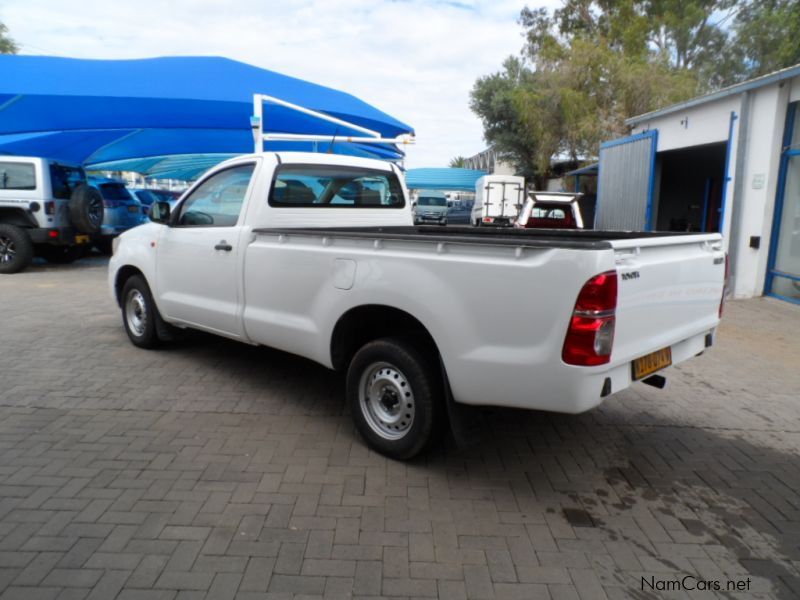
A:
x,y
625,183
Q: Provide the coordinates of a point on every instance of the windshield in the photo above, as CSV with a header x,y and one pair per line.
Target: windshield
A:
x,y
114,191
431,201
65,179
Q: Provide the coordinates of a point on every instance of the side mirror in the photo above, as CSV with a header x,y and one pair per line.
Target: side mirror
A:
x,y
160,212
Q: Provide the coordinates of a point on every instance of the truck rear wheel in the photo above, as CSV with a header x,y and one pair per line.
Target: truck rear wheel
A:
x,y
16,249
395,396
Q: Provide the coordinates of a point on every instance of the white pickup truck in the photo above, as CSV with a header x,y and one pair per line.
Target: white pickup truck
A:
x,y
317,255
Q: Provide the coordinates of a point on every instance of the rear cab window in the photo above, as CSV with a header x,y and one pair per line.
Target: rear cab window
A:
x,y
330,186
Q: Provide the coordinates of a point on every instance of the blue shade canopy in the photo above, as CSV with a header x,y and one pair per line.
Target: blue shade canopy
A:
x,y
99,111
443,179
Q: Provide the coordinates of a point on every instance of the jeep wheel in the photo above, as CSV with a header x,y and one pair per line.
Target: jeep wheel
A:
x,y
86,209
16,249
395,396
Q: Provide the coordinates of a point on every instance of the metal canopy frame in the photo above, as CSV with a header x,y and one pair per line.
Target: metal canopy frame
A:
x,y
259,136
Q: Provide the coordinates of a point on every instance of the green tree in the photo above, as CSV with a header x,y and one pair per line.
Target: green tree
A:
x,y
457,162
7,45
493,99
765,38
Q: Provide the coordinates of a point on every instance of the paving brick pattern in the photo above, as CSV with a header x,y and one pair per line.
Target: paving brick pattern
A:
x,y
216,470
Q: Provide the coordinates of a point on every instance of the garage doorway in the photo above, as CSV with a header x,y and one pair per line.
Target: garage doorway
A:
x,y
689,184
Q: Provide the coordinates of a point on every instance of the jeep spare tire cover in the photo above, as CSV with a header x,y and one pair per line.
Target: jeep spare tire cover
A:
x,y
86,209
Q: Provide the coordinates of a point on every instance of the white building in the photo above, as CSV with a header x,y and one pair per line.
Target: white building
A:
x,y
727,161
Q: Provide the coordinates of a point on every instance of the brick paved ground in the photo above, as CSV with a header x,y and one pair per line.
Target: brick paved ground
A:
x,y
216,470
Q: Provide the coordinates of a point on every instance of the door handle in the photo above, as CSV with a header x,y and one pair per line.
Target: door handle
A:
x,y
223,245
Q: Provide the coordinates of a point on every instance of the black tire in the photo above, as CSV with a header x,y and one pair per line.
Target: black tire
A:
x,y
86,209
407,416
61,255
139,313
16,249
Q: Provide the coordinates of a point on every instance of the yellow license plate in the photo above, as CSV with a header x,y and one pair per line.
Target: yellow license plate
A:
x,y
81,239
655,361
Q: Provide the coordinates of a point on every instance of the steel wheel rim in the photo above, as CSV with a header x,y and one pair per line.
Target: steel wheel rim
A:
x,y
7,249
136,312
386,400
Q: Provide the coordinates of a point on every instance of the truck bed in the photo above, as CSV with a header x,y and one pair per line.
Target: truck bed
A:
x,y
531,238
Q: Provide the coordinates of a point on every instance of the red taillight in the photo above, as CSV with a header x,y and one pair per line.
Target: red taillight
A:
x,y
590,336
725,285
50,208
488,220
52,234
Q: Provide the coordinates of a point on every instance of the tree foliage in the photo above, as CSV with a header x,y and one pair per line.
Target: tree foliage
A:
x,y
590,64
767,38
7,45
457,162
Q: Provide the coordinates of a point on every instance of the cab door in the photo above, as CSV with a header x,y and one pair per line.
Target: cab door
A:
x,y
198,274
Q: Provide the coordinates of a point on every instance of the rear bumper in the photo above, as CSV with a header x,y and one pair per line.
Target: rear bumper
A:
x,y
569,389
58,236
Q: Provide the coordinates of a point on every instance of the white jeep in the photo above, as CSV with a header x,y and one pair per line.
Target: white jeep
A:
x,y
46,209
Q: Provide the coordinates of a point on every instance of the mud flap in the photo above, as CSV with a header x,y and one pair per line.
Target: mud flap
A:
x,y
464,420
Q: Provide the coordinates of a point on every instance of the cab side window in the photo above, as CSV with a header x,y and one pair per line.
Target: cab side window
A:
x,y
17,176
218,201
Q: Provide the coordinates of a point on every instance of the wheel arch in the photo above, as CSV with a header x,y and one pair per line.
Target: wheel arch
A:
x,y
362,324
123,274
16,216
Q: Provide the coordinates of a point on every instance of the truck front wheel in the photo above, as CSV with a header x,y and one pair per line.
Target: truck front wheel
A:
x,y
395,396
139,313
16,249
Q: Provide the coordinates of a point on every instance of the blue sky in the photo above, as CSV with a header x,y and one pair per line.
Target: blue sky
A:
x,y
415,59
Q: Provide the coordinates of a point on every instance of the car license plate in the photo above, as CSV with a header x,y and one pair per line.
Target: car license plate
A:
x,y
81,239
655,361
133,209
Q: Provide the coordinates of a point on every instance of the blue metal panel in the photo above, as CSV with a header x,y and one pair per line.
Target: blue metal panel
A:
x,y
627,140
788,131
651,189
726,179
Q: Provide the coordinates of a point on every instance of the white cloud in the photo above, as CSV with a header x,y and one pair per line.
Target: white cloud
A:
x,y
414,59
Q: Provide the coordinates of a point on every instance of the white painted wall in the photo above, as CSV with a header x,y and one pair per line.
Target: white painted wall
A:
x,y
794,94
762,163
704,124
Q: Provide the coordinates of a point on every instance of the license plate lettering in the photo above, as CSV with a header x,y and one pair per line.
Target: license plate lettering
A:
x,y
81,239
650,363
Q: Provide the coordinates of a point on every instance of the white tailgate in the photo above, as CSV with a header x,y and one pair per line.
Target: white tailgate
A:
x,y
669,290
